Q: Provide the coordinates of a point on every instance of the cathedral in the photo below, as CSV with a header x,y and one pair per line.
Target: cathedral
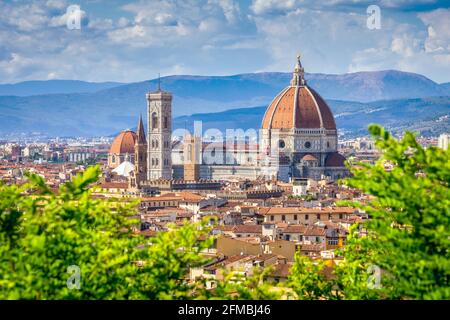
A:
x,y
297,139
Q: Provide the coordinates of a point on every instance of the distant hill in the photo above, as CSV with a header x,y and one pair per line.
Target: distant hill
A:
x,y
31,88
430,116
103,111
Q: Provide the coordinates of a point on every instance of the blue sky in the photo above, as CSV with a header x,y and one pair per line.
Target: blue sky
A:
x,y
135,40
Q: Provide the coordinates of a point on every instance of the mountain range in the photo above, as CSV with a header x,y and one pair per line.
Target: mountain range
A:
x,y
76,108
31,88
429,116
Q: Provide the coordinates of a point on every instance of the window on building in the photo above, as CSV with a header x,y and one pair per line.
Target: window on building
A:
x,y
189,151
341,216
283,217
318,216
306,217
165,123
295,217
272,218
154,120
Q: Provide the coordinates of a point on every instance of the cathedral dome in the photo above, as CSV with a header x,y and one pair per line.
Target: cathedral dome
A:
x,y
124,143
298,106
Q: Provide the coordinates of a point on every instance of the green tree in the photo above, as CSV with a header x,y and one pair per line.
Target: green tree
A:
x,y
43,233
237,286
308,279
409,229
408,233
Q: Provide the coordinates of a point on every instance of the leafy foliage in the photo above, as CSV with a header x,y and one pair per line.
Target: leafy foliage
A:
x,y
237,286
408,233
409,229
43,233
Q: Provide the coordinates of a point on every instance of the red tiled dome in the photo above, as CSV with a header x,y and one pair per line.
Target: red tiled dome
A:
x,y
309,157
335,159
124,142
298,106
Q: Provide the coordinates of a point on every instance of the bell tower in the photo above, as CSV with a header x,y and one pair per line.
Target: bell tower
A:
x,y
159,142
140,154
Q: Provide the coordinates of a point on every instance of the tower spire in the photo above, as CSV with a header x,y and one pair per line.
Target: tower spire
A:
x,y
140,131
298,76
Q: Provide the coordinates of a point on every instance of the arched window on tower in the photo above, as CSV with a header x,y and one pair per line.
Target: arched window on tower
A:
x,y
154,120
189,157
166,123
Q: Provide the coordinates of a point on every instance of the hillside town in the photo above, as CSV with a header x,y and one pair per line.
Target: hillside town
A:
x,y
263,206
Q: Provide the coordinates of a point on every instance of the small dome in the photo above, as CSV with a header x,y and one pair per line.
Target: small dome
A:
x,y
124,143
335,159
309,157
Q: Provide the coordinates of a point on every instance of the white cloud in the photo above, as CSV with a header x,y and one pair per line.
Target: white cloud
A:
x,y
58,4
123,22
143,38
231,9
127,33
438,22
260,7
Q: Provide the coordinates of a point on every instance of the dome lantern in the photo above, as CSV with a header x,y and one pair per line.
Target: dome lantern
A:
x,y
298,76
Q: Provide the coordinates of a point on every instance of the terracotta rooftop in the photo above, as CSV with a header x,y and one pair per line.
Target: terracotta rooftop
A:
x,y
315,231
248,228
295,228
114,185
281,270
300,210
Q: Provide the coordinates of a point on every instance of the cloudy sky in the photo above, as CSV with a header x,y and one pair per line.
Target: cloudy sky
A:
x,y
134,40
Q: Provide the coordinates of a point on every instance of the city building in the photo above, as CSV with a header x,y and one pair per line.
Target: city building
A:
x,y
443,141
298,139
